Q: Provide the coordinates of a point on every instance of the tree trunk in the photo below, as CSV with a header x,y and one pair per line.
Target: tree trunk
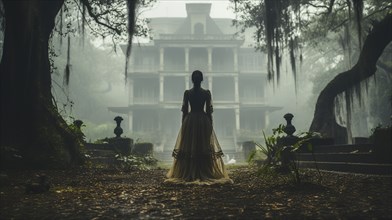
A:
x,y
29,120
324,120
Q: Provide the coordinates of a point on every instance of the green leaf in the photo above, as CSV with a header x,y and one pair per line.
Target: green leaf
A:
x,y
251,156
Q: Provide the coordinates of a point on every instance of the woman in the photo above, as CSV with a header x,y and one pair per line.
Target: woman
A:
x,y
197,154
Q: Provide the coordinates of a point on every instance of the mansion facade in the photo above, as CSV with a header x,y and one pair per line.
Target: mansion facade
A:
x,y
160,71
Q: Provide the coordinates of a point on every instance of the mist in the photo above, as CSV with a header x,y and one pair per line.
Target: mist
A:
x,y
210,109
180,41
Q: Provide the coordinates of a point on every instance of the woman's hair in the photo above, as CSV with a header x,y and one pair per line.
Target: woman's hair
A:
x,y
197,77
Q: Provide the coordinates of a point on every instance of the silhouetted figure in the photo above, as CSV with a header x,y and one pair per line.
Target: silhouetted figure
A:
x,y
38,187
197,154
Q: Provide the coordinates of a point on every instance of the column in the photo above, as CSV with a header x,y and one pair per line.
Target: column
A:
x,y
209,59
237,119
266,118
210,83
187,59
130,91
235,52
187,82
161,58
161,80
236,93
130,121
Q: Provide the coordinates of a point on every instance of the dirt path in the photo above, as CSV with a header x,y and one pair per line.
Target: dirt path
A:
x,y
110,194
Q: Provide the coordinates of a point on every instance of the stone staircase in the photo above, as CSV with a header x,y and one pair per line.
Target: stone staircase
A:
x,y
101,154
357,158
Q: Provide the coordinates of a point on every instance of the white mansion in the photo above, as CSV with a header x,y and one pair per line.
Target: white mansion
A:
x,y
160,71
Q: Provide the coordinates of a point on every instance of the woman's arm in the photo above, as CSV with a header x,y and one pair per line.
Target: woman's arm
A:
x,y
185,104
209,108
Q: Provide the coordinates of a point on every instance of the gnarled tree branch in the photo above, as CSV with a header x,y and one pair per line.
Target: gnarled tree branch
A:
x,y
324,117
96,17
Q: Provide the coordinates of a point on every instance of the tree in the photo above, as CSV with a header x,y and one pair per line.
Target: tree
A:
x,y
29,120
300,23
324,117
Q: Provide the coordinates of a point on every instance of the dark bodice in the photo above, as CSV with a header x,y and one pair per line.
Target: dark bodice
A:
x,y
197,98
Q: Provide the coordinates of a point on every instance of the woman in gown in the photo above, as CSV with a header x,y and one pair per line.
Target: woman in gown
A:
x,y
197,154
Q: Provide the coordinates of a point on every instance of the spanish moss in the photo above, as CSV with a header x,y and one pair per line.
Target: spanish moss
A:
x,y
131,6
358,12
83,21
67,71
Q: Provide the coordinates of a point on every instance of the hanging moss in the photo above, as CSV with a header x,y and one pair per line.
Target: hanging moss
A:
x,y
83,20
131,6
358,12
67,71
292,49
281,22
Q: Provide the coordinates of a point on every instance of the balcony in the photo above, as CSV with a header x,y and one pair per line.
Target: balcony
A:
x,y
174,67
223,37
144,68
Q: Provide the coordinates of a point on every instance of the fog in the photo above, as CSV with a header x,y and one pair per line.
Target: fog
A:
x,y
245,102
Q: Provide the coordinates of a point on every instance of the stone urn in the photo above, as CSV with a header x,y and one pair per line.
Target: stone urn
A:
x,y
118,130
289,129
78,124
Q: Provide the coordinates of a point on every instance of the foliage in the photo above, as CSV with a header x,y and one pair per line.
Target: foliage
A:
x,y
103,19
136,162
281,158
78,131
276,22
270,148
114,21
315,24
280,24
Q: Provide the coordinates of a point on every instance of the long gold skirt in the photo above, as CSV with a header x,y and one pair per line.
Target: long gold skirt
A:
x,y
197,154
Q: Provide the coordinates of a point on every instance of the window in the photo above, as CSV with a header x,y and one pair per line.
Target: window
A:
x,y
198,28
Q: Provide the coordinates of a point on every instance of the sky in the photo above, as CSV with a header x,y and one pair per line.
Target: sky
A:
x,y
176,8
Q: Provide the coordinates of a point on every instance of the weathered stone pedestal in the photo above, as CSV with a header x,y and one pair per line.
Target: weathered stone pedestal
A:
x,y
121,145
143,149
288,141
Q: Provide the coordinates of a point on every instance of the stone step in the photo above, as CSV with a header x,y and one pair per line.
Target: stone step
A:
x,y
343,148
337,157
101,152
365,168
91,146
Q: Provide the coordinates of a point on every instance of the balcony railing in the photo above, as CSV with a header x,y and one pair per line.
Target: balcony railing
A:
x,y
144,68
197,37
174,67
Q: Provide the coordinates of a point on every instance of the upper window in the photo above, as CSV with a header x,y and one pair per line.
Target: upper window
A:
x,y
198,28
